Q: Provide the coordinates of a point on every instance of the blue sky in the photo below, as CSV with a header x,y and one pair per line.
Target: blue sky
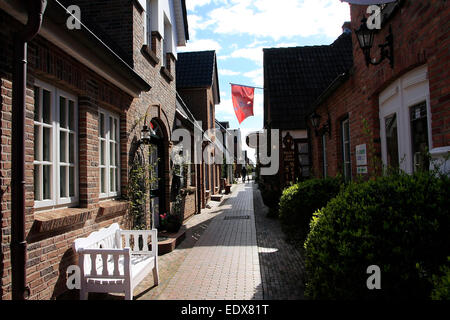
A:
x,y
239,29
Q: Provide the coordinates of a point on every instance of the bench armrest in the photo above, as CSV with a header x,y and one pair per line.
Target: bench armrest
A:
x,y
135,235
89,264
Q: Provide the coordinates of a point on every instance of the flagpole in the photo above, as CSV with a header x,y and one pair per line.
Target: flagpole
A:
x,y
247,86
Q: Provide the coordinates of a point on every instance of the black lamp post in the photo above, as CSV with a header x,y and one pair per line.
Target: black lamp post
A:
x,y
365,38
147,133
315,120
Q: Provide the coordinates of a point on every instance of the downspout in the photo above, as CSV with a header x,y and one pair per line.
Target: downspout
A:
x,y
20,290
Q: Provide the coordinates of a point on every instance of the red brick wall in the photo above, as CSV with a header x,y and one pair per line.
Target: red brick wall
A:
x,y
199,101
421,37
50,239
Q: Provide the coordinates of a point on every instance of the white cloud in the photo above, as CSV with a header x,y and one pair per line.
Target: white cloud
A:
x,y
201,45
193,4
280,19
257,76
226,72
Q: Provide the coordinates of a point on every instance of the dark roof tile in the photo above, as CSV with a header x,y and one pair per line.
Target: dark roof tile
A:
x,y
295,77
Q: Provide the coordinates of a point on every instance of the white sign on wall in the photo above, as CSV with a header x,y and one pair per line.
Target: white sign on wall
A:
x,y
361,155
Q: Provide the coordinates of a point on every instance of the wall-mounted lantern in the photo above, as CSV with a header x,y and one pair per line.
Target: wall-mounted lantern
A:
x,y
315,120
365,38
147,133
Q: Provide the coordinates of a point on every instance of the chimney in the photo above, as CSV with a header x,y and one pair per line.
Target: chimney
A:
x,y
347,27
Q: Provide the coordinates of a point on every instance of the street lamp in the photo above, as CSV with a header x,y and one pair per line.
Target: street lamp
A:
x,y
315,120
147,133
365,38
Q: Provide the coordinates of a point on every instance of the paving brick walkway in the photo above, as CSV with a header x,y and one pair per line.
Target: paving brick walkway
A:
x,y
282,264
224,263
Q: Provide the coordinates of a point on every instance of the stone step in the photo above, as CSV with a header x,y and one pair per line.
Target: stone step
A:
x,y
216,197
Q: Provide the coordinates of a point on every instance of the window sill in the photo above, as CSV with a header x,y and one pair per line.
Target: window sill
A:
x,y
112,207
150,54
166,73
58,219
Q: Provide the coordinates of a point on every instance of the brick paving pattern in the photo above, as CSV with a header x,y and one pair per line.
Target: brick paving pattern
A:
x,y
282,264
223,264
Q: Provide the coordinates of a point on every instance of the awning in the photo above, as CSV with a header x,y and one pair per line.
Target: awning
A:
x,y
368,2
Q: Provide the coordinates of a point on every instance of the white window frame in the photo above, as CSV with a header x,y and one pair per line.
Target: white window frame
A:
x,y
147,24
347,175
324,155
108,166
399,97
56,199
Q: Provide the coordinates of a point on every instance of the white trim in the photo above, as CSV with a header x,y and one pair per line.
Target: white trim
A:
x,y
55,179
410,89
107,166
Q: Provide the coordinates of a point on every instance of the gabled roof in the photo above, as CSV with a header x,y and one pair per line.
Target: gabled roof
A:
x,y
198,70
295,77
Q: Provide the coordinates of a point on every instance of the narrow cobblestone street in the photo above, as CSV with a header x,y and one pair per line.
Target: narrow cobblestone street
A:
x,y
231,252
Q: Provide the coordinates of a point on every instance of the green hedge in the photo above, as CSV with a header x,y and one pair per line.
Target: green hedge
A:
x,y
299,202
271,197
400,223
441,283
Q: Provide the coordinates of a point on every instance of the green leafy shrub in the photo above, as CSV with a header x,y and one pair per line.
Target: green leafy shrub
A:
x,y
397,222
271,197
441,283
299,202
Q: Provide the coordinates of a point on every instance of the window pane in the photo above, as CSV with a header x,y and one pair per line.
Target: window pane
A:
x,y
62,146
102,180
62,112
116,129
71,115
36,103
112,154
102,152
62,182
36,144
303,148
117,179
101,126
111,129
46,144
304,160
346,131
72,148
112,177
71,181
392,141
305,171
46,107
47,182
419,135
37,182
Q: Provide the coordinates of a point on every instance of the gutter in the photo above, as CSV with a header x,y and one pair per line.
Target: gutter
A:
x,y
340,79
35,8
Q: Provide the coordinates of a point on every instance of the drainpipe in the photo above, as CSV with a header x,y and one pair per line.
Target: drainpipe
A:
x,y
20,290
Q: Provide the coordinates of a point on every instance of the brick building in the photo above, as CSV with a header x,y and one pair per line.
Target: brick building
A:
x,y
198,86
293,79
375,116
88,93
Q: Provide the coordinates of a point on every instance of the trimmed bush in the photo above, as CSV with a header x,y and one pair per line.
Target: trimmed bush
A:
x,y
271,197
441,283
400,223
299,202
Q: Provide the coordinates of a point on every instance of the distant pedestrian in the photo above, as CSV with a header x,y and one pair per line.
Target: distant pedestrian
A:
x,y
244,173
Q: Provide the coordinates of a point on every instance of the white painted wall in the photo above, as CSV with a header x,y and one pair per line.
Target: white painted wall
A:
x,y
161,10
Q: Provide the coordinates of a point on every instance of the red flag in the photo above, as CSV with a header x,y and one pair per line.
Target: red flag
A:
x,y
242,101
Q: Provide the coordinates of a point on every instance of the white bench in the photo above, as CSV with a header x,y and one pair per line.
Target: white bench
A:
x,y
106,266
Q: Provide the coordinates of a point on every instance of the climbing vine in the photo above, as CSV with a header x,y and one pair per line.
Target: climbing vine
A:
x,y
142,176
